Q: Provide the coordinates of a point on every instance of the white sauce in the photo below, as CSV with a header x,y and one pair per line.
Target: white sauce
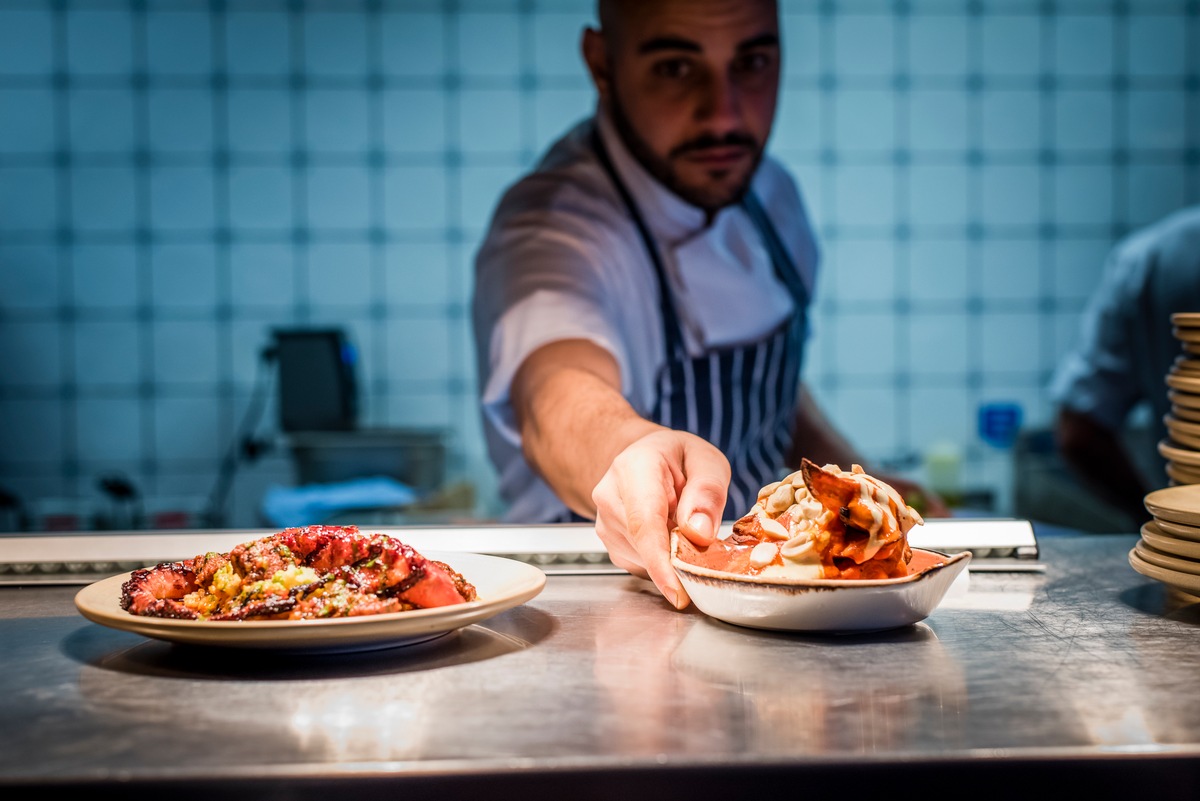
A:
x,y
795,544
808,519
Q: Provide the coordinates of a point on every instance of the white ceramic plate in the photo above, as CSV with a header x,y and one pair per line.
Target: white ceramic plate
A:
x,y
1159,540
500,584
1184,456
1181,581
1186,399
1176,504
831,606
1166,560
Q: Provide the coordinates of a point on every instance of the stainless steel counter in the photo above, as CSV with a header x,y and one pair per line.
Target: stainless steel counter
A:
x,y
595,689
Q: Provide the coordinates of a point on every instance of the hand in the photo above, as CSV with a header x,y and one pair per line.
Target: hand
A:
x,y
663,479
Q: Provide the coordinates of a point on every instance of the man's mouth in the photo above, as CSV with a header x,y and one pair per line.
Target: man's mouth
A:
x,y
719,156
716,153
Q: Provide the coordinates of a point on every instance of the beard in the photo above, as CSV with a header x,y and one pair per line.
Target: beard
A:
x,y
711,196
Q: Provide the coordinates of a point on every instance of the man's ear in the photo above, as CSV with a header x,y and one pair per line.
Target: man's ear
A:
x,y
595,56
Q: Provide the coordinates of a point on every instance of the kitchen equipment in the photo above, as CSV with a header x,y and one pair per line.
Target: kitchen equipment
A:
x,y
996,545
12,512
122,509
317,388
416,457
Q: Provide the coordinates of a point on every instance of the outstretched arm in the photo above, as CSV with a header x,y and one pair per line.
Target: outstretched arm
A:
x,y
1098,458
635,477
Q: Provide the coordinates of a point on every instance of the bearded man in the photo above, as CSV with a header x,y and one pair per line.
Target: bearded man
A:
x,y
642,296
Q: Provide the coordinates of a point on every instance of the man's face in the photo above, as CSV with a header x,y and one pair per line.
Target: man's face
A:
x,y
691,86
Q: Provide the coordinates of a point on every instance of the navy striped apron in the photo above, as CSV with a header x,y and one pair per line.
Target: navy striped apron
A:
x,y
741,398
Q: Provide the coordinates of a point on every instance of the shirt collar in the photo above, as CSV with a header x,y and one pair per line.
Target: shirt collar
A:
x,y
671,219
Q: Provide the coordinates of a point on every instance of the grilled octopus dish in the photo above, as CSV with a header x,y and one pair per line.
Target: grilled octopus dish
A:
x,y
299,573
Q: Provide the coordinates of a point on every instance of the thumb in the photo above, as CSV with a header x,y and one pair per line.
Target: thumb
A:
x,y
705,487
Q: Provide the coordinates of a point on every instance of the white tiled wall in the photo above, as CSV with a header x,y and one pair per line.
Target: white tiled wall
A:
x,y
178,177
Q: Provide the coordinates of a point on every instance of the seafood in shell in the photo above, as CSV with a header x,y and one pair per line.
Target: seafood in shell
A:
x,y
299,573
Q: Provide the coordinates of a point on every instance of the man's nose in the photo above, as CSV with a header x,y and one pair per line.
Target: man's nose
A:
x,y
720,103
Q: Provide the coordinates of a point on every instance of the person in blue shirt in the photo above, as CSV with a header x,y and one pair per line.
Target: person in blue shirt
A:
x,y
1125,350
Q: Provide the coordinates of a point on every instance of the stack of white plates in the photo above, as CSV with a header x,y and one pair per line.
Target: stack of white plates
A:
x,y
1181,448
1169,548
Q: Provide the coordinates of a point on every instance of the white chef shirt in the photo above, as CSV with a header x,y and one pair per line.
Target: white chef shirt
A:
x,y
563,260
1126,346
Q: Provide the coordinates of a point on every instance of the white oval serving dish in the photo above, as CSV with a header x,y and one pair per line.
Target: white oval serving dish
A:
x,y
821,605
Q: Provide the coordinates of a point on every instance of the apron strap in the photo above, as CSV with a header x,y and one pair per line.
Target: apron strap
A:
x,y
785,269
666,302
781,260
678,364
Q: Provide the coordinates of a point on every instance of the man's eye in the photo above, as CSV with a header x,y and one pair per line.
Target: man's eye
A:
x,y
754,62
673,68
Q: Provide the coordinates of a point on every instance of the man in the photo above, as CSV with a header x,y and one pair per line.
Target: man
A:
x,y
641,298
1125,351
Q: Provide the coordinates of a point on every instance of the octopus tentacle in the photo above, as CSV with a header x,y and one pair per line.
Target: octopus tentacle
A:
x,y
303,572
156,591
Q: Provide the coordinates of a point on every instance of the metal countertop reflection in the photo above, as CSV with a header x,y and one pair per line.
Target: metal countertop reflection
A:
x,y
596,688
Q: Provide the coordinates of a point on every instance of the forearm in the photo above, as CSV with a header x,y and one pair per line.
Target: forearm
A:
x,y
573,419
1098,458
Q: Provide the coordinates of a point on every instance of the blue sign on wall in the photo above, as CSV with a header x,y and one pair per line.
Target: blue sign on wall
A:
x,y
999,424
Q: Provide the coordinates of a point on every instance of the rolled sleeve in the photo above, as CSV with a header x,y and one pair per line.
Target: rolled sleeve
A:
x,y
543,317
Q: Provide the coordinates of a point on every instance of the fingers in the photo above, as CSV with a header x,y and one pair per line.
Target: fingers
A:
x,y
662,476
612,532
651,537
702,500
645,483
